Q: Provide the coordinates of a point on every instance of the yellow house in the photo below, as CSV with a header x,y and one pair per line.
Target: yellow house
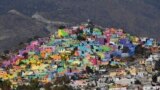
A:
x,y
17,62
38,67
133,71
121,72
56,57
104,63
3,74
34,67
142,62
135,40
10,76
33,61
14,83
112,74
149,68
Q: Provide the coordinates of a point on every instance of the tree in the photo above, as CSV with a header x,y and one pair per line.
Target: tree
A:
x,y
29,40
4,57
154,78
62,87
81,38
139,49
62,27
62,80
89,70
23,87
61,83
34,84
137,82
36,37
6,52
5,85
21,43
47,86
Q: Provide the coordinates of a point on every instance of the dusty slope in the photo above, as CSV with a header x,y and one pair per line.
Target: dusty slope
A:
x,y
16,28
140,17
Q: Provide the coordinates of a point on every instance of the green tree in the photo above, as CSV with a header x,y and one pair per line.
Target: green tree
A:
x,y
60,83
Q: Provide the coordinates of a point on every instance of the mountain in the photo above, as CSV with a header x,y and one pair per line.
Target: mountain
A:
x,y
138,17
16,27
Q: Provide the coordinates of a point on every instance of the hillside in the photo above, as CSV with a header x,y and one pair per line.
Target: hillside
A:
x,y
16,27
138,17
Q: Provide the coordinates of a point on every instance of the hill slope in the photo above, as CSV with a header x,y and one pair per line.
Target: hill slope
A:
x,y
139,17
16,27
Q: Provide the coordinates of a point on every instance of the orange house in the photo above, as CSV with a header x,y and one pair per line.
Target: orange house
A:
x,y
17,68
48,49
112,30
3,74
56,57
43,54
154,49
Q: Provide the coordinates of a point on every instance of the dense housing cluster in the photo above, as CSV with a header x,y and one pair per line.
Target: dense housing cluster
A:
x,y
105,58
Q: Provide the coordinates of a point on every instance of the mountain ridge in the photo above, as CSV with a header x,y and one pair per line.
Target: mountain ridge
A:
x,y
16,27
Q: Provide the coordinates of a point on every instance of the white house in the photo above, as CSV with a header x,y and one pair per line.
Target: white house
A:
x,y
125,81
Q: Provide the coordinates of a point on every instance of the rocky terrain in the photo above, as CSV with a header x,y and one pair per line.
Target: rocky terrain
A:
x,y
138,17
16,27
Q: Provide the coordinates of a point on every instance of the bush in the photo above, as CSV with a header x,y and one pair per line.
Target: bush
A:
x,y
29,40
